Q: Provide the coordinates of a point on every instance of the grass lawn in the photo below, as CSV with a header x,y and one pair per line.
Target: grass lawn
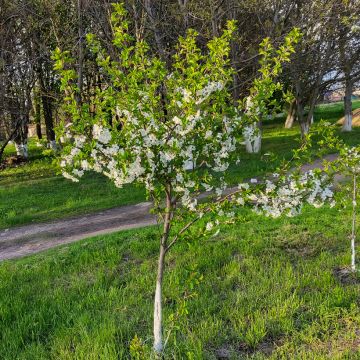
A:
x,y
261,289
35,192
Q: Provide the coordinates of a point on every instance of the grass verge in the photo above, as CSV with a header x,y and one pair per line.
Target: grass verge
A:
x,y
263,289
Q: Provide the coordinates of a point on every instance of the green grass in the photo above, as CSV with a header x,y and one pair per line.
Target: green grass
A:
x,y
35,192
268,290
261,289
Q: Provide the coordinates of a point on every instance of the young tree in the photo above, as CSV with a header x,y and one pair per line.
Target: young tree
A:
x,y
349,166
150,119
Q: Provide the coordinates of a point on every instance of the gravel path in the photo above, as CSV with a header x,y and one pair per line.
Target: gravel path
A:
x,y
29,239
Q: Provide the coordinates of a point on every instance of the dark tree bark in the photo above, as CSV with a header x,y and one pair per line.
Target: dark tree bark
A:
x,y
48,117
80,51
37,116
291,116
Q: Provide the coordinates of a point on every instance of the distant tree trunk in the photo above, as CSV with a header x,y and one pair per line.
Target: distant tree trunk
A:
x,y
7,140
304,121
47,110
184,13
253,141
21,116
310,115
153,15
21,138
214,20
80,52
347,126
304,125
37,117
139,22
49,122
252,133
290,119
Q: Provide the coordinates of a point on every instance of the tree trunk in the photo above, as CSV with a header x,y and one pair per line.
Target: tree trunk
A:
x,y
37,118
353,230
47,106
158,341
347,126
153,14
80,53
184,13
290,119
252,135
7,141
305,128
48,117
304,125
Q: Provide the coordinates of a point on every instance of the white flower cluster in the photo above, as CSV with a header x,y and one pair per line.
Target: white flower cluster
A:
x,y
148,149
205,92
102,134
287,196
350,159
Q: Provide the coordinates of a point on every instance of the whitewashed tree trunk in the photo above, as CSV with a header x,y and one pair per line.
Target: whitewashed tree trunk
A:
x,y
252,132
18,148
353,229
252,137
52,145
305,127
25,151
22,150
189,164
158,341
347,126
158,345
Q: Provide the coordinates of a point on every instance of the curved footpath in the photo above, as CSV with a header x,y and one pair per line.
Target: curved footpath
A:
x,y
29,239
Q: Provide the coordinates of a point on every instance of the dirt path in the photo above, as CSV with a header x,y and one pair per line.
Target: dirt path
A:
x,y
29,239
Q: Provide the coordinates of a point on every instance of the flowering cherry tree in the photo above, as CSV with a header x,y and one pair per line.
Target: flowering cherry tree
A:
x,y
174,130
